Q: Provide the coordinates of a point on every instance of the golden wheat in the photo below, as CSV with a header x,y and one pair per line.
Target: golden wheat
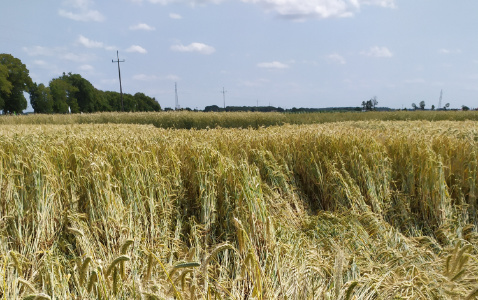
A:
x,y
347,210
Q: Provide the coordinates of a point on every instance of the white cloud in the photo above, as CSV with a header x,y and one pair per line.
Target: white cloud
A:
x,y
194,47
254,83
87,68
41,51
91,15
40,62
272,65
58,52
136,48
89,43
172,77
93,44
76,57
144,77
377,52
175,16
191,2
449,51
82,11
305,9
142,26
109,81
336,58
382,3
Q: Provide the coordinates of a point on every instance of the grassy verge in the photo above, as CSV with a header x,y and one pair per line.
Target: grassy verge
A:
x,y
200,120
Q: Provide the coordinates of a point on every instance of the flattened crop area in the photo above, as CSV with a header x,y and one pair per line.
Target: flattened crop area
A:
x,y
349,210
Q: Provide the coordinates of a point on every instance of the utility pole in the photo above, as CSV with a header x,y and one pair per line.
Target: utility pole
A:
x,y
224,97
439,100
176,99
119,74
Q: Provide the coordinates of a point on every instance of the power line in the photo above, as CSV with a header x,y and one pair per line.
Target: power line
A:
x,y
119,74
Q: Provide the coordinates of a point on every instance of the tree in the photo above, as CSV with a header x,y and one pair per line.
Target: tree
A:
x,y
19,81
374,102
422,105
446,106
433,107
63,94
414,106
370,104
145,103
86,95
5,85
465,108
41,99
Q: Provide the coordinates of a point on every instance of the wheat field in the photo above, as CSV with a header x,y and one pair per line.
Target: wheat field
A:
x,y
344,210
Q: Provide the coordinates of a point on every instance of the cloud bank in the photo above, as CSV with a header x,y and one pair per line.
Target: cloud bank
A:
x,y
79,10
318,9
142,26
273,65
297,9
137,49
93,44
194,47
378,52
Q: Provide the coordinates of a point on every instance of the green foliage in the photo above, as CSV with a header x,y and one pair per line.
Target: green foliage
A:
x,y
12,86
41,99
63,94
422,105
370,105
145,103
5,85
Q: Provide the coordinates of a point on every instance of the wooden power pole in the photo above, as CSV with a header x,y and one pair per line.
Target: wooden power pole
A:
x,y
119,74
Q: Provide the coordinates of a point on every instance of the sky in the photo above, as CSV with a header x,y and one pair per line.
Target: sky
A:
x,y
284,53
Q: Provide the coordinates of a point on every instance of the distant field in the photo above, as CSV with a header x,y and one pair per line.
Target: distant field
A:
x,y
201,120
346,210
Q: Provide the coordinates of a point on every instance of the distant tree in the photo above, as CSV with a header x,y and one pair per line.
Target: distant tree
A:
x,y
113,99
5,85
213,108
422,105
374,102
146,103
14,80
129,103
446,106
414,106
465,108
63,94
433,107
88,97
41,99
369,104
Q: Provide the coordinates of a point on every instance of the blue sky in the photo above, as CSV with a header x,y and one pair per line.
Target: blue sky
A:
x,y
287,53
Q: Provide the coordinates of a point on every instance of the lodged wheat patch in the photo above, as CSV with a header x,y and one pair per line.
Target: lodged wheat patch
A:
x,y
345,210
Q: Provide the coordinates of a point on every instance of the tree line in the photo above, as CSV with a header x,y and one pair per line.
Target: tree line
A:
x,y
67,93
